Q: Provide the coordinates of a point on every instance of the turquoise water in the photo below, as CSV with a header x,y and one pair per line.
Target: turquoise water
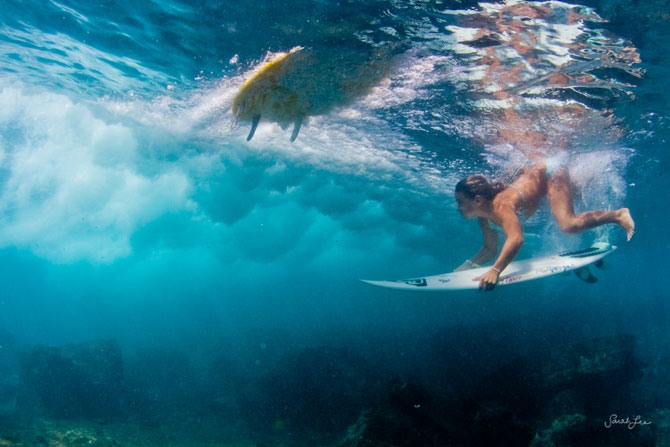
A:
x,y
133,208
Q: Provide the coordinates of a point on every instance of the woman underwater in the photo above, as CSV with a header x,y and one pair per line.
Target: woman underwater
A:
x,y
507,205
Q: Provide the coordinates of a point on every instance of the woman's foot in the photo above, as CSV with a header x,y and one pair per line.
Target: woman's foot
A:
x,y
626,221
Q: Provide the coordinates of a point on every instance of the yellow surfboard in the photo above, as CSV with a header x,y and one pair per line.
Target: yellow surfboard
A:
x,y
269,93
298,84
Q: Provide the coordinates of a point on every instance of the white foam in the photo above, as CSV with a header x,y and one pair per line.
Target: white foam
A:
x,y
409,80
79,187
75,187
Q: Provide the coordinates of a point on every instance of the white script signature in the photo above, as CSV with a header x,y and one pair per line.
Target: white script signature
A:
x,y
628,422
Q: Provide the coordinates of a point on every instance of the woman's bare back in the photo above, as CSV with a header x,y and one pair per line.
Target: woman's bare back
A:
x,y
526,191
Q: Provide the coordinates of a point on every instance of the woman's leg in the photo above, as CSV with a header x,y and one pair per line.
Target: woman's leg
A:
x,y
562,206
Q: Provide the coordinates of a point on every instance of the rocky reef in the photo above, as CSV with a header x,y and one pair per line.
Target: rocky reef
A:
x,y
9,377
462,386
562,398
79,380
317,390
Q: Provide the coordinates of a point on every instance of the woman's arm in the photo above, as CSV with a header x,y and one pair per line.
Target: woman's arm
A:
x,y
488,251
513,242
514,239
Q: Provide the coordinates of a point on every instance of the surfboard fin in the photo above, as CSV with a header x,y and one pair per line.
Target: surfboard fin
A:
x,y
296,129
254,124
585,275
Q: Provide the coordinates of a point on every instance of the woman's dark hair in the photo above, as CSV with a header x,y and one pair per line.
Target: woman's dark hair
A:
x,y
479,185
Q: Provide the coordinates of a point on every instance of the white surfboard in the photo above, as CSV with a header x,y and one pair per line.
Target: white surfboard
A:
x,y
517,271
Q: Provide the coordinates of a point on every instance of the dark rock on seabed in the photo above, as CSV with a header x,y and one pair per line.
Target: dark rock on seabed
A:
x,y
9,377
81,380
319,390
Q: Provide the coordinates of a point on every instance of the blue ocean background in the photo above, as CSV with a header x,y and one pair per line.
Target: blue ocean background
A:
x,y
222,275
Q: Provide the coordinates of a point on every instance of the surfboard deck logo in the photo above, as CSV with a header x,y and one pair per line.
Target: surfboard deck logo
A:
x,y
518,271
421,282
